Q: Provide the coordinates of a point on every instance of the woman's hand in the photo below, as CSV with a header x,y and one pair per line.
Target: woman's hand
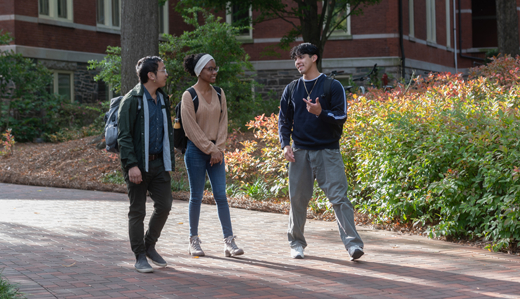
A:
x,y
216,158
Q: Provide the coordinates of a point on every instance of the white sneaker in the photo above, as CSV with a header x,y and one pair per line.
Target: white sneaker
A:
x,y
355,252
230,248
194,247
297,252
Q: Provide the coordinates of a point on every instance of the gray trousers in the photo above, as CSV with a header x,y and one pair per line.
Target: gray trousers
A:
x,y
327,167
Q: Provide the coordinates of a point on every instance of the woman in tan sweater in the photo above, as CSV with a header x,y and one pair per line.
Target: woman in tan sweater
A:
x,y
206,128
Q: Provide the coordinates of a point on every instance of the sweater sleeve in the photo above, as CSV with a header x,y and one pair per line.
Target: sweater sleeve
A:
x,y
337,114
285,119
192,128
223,123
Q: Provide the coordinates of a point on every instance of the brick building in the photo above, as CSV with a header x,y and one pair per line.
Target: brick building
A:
x,y
65,34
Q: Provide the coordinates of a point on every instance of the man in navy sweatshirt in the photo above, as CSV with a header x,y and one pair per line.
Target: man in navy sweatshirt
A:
x,y
313,112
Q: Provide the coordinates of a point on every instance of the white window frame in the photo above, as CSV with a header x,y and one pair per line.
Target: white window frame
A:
x,y
431,33
448,24
108,15
55,85
411,18
343,33
53,11
166,21
229,20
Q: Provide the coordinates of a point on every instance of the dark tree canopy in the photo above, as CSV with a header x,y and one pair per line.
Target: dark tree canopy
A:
x,y
313,20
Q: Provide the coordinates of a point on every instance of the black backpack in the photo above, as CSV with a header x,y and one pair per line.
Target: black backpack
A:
x,y
180,140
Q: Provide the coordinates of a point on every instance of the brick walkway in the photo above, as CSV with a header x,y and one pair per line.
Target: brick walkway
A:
x,y
62,243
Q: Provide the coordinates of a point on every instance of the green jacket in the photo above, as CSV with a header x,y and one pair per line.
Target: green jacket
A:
x,y
131,130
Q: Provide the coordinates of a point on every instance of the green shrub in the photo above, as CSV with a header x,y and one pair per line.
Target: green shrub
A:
x,y
445,155
26,104
8,290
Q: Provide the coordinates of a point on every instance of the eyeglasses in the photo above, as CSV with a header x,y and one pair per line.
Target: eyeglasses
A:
x,y
164,71
211,69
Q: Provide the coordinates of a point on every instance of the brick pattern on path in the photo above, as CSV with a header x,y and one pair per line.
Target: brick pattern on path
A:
x,y
64,243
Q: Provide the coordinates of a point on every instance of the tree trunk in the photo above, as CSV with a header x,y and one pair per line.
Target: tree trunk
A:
x,y
311,29
507,27
139,37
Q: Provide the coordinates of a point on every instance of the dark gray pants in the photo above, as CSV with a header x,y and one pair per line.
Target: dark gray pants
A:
x,y
157,183
327,167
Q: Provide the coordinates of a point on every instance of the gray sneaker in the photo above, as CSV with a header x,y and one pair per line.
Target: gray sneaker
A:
x,y
194,246
230,248
155,257
355,252
297,252
141,264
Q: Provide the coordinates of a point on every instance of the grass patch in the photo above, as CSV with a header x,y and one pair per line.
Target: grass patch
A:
x,y
8,290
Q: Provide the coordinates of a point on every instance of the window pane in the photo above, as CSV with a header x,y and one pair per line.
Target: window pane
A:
x,y
64,85
240,17
161,19
62,9
115,13
44,7
101,12
339,14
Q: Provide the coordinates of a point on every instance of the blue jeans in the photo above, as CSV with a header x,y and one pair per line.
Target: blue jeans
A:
x,y
197,164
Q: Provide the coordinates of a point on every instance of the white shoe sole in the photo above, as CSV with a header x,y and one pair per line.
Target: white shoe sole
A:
x,y
150,270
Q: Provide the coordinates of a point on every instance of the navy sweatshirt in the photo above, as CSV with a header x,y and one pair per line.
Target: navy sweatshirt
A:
x,y
309,131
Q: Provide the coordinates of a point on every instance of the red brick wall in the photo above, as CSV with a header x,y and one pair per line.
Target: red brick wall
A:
x,y
8,27
176,23
63,38
26,7
85,12
7,7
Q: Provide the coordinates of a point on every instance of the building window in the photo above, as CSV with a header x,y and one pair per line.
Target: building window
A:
x,y
431,34
411,18
63,84
163,18
109,13
55,9
343,29
448,24
239,15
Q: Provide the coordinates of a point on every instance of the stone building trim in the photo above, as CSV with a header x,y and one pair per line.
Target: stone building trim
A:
x,y
53,54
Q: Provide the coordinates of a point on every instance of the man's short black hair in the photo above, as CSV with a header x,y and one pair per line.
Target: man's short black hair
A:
x,y
305,48
145,65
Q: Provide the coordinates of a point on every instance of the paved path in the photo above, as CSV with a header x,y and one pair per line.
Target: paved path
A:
x,y
62,243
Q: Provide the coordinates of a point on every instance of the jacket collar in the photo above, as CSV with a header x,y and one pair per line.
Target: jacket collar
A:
x,y
138,90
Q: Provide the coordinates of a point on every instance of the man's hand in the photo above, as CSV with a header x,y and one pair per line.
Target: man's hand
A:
x,y
135,175
215,158
312,107
288,153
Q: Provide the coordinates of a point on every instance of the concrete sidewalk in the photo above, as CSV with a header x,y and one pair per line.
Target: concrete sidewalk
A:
x,y
63,243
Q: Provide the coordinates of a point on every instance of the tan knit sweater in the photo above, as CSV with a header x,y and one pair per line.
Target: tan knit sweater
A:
x,y
207,124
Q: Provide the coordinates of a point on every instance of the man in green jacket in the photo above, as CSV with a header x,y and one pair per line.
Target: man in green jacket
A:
x,y
145,138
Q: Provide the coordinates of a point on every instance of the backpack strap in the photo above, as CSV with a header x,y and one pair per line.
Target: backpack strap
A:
x,y
290,90
194,98
219,91
326,87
